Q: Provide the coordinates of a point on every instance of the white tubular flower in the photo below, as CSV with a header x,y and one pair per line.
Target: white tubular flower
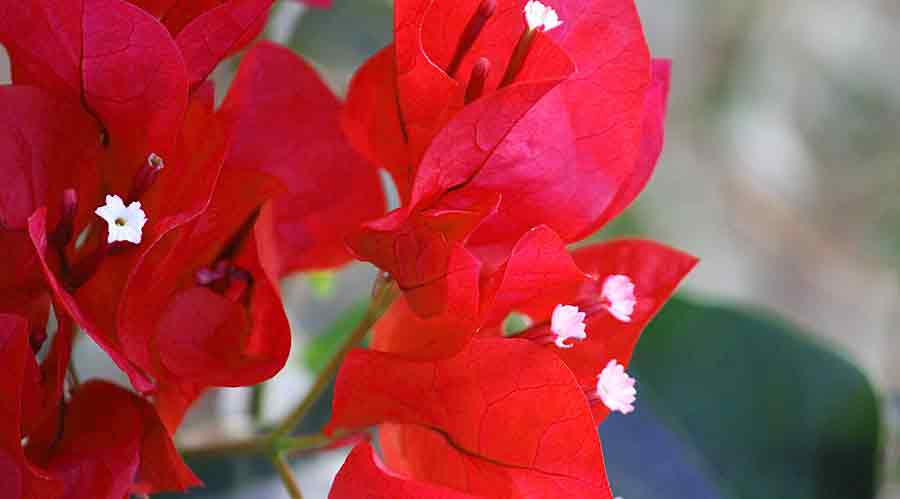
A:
x,y
618,296
616,388
540,16
126,223
567,322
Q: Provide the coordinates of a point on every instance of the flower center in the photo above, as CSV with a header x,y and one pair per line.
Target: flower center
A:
x,y
125,223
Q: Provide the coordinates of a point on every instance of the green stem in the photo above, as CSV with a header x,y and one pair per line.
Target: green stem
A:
x,y
243,447
279,443
287,476
264,444
383,295
257,398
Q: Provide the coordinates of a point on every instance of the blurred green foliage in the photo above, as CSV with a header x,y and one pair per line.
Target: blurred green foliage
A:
x,y
752,404
319,351
322,284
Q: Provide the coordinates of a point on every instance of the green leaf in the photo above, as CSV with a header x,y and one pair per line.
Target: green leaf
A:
x,y
755,405
319,351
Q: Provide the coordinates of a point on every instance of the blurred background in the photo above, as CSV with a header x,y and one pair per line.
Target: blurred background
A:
x,y
782,173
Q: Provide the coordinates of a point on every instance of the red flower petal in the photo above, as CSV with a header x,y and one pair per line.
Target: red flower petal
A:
x,y
183,332
135,82
538,275
37,229
48,145
20,479
330,188
22,288
427,455
371,119
113,444
218,33
363,475
485,401
652,138
405,333
656,271
157,8
417,249
44,41
51,377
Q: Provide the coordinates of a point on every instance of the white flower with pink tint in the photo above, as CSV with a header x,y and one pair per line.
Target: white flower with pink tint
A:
x,y
618,296
538,15
616,388
567,322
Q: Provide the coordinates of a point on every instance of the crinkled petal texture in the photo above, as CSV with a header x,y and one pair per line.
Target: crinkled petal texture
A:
x,y
283,121
561,145
217,33
364,475
403,332
652,138
371,119
115,59
505,418
541,274
417,247
426,38
135,82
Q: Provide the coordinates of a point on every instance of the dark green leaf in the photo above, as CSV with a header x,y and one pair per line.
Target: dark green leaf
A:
x,y
755,406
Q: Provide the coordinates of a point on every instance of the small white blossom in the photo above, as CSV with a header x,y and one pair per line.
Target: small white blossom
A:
x,y
538,15
616,388
567,322
618,296
125,222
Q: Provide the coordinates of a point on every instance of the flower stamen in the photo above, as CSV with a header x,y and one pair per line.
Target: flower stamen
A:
x,y
615,388
146,176
618,296
479,77
485,11
567,322
538,17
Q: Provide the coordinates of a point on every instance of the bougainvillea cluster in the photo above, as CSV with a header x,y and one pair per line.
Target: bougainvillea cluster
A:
x,y
139,213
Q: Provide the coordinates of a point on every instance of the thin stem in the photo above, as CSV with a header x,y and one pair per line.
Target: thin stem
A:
x,y
263,444
287,476
242,447
383,295
306,444
257,399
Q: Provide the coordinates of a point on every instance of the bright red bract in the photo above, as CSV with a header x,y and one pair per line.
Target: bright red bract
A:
x,y
506,145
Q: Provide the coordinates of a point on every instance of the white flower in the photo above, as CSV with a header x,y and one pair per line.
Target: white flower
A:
x,y
125,222
538,15
618,295
616,388
567,322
